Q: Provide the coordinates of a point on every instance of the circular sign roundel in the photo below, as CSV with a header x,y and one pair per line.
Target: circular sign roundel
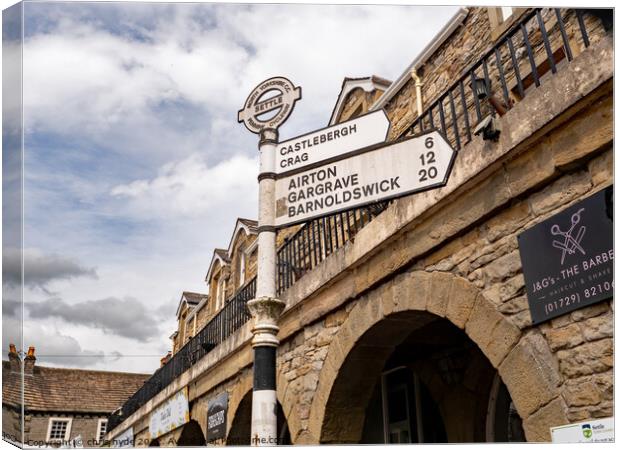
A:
x,y
258,112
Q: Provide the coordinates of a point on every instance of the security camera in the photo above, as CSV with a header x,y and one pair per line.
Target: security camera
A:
x,y
489,127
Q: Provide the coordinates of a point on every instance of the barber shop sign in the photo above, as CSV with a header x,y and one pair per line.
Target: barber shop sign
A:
x,y
568,259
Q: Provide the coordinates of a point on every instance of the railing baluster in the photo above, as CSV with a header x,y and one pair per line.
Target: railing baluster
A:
x,y
465,110
442,119
454,122
515,67
530,55
582,28
545,38
567,49
502,79
344,239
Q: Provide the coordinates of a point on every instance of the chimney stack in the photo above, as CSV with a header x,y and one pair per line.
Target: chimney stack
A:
x,y
15,362
29,361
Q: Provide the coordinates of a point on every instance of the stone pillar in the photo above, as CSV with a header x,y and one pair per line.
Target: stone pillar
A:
x,y
265,308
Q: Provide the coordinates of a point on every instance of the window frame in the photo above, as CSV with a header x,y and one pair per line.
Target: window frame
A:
x,y
498,24
98,436
68,420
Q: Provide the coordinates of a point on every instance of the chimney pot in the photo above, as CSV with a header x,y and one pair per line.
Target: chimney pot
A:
x,y
29,361
15,362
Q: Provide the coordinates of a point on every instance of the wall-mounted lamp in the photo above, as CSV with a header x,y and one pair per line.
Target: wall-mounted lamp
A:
x,y
488,126
480,88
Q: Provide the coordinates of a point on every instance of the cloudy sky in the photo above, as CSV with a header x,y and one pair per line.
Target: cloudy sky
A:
x,y
135,165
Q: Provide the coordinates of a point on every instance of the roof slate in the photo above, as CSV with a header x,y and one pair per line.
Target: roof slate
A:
x,y
194,298
70,390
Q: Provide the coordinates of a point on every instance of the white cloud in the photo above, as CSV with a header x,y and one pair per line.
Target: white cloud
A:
x,y
190,188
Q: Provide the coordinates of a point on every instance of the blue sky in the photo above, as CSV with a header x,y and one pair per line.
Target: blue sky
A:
x,y
136,167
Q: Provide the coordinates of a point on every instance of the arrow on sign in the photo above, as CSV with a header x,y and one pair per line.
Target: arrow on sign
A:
x,y
330,142
416,164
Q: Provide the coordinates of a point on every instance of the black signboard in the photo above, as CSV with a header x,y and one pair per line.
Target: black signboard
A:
x,y
568,259
216,417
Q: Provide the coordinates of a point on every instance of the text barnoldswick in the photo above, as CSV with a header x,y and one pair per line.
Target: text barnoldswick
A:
x,y
323,188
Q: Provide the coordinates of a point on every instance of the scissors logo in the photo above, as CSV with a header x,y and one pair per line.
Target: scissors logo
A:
x,y
571,242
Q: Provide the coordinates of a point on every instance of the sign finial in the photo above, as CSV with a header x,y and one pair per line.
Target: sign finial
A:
x,y
258,104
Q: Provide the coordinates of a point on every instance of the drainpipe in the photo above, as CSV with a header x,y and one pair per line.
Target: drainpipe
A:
x,y
418,90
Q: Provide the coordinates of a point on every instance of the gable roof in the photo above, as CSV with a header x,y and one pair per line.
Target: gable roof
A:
x,y
70,390
368,84
191,298
224,255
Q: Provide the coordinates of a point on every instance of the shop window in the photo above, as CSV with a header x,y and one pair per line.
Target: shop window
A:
x,y
409,413
58,429
503,421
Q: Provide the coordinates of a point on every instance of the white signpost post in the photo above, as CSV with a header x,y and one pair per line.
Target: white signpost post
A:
x,y
390,171
322,145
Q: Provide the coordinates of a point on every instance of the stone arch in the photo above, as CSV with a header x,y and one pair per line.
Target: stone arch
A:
x,y
237,394
524,361
191,435
240,408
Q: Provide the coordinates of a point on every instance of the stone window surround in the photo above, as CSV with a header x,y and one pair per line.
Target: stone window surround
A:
x,y
99,434
52,420
499,25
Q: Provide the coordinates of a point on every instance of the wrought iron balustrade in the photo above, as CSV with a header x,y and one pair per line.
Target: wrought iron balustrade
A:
x,y
534,48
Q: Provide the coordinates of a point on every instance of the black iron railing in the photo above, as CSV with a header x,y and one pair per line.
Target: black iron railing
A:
x,y
534,47
318,239
519,62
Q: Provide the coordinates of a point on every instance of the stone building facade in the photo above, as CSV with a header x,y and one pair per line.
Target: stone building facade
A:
x,y
59,404
409,321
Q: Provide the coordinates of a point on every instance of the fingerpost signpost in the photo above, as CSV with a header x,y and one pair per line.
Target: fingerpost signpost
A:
x,y
334,169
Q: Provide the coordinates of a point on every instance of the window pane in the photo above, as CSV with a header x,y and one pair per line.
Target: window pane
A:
x,y
59,429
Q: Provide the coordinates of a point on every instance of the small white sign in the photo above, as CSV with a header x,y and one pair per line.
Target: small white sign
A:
x,y
419,163
123,440
597,430
331,142
173,414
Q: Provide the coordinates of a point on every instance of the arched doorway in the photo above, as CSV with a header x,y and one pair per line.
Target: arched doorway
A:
x,y
241,427
192,435
414,377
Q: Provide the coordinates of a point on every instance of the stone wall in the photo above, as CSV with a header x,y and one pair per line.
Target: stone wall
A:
x,y
11,424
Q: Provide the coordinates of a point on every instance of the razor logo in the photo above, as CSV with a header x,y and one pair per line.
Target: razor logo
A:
x,y
572,240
